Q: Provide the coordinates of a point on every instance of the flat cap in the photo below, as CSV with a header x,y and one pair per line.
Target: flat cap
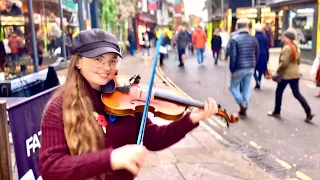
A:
x,y
289,35
95,42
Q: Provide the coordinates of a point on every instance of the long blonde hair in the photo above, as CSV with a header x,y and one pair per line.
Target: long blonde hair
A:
x,y
82,132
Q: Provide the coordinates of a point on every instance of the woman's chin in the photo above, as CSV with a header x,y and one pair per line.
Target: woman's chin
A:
x,y
102,82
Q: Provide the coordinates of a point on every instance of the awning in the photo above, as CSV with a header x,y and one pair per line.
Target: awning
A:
x,y
50,6
146,18
280,3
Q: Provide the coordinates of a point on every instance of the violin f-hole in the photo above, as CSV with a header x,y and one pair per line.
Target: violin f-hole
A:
x,y
139,100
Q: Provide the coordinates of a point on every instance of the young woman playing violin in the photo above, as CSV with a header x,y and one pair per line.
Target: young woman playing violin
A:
x,y
74,145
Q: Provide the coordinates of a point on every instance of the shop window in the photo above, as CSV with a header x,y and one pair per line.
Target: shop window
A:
x,y
302,21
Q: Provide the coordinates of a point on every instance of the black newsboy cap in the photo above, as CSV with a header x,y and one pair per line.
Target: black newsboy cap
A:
x,y
95,42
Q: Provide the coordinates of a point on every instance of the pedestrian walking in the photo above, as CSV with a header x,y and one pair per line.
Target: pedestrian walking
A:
x,y
199,39
244,53
132,41
182,43
163,52
288,73
146,43
262,64
190,45
225,39
75,145
15,44
2,56
216,44
269,33
316,70
40,49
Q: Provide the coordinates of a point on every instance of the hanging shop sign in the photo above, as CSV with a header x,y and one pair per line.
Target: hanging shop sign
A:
x,y
153,4
12,20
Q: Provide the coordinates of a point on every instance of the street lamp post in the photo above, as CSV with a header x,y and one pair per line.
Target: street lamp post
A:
x,y
63,50
94,14
33,37
80,14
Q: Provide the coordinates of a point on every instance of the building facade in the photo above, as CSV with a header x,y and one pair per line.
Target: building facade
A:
x,y
303,16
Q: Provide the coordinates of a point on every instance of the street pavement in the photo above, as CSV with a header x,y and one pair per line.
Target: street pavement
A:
x,y
287,148
199,155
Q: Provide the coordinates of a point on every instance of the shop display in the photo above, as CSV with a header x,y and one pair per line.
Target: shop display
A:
x,y
302,21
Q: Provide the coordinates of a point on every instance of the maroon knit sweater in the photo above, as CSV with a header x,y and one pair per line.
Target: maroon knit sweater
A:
x,y
56,162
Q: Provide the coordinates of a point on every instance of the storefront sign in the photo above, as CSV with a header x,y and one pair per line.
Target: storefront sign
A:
x,y
276,1
246,12
25,120
12,20
146,18
152,4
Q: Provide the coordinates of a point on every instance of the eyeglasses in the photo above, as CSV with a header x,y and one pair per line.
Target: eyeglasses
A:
x,y
99,62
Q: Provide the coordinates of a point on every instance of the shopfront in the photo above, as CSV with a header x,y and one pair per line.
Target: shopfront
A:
x,y
264,16
11,18
142,22
303,16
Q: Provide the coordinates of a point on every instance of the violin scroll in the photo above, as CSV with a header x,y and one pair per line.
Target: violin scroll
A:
x,y
233,118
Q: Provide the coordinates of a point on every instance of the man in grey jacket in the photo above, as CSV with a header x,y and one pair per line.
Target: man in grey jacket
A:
x,y
244,53
182,43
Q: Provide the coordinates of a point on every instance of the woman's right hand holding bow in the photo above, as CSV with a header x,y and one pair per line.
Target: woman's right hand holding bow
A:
x,y
129,157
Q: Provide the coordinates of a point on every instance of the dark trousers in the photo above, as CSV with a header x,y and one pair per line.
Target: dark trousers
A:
x,y
294,85
132,48
40,57
257,76
161,58
215,54
15,60
191,49
180,53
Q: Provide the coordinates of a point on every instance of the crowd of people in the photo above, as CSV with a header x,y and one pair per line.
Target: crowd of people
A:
x,y
248,57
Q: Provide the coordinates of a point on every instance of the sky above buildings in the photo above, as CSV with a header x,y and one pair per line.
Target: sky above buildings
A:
x,y
195,7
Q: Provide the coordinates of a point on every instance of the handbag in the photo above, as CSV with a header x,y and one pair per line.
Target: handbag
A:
x,y
163,50
277,78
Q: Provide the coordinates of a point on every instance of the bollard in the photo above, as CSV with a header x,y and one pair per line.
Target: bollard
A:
x,y
5,155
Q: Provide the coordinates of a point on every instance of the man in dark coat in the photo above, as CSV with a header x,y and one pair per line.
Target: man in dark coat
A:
x,y
182,43
261,67
216,45
132,41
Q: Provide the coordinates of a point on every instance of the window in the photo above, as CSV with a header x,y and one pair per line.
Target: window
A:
x,y
302,21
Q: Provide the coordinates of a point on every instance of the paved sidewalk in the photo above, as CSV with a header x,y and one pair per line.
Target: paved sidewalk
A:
x,y
198,156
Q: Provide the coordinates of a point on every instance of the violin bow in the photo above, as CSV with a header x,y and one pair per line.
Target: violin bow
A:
x,y
146,107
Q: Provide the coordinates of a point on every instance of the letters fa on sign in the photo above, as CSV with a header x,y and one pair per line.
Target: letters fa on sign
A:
x,y
33,142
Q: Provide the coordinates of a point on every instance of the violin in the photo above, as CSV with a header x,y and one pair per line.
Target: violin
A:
x,y
125,96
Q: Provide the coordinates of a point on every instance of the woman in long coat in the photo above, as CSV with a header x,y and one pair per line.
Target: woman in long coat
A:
x,y
261,67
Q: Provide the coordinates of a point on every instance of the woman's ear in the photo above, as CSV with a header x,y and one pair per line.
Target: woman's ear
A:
x,y
78,64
